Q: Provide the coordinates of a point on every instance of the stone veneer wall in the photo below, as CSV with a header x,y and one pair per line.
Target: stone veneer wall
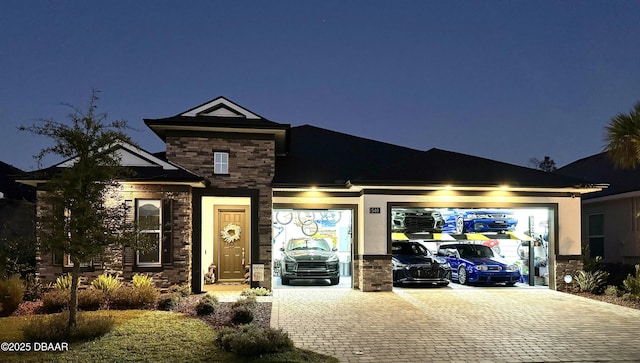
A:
x,y
374,273
567,265
251,166
120,260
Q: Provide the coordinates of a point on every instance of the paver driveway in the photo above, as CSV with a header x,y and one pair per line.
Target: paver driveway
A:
x,y
467,325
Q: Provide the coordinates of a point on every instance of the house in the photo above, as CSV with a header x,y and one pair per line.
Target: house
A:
x,y
610,217
17,205
232,188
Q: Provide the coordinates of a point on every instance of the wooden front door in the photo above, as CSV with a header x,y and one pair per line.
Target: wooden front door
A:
x,y
233,243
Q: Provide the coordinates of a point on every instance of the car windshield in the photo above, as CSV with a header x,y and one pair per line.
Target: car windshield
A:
x,y
471,251
308,244
410,249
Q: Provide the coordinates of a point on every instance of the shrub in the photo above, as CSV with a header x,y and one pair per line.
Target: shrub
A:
x,y
139,280
252,341
146,294
90,299
256,291
249,302
612,291
62,282
106,283
183,290
207,305
129,297
33,289
54,328
241,315
55,301
592,281
632,283
168,302
11,293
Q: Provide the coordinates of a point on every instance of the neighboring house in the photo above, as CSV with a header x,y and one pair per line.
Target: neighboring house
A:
x,y
233,187
610,217
17,206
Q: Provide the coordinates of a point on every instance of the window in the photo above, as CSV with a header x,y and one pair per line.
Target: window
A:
x,y
221,163
596,235
149,221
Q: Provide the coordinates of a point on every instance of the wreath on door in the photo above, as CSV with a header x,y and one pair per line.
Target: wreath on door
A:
x,y
231,233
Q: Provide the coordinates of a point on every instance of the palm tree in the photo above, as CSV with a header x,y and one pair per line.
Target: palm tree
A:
x,y
622,139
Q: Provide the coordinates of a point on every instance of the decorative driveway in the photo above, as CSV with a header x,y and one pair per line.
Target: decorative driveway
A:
x,y
477,324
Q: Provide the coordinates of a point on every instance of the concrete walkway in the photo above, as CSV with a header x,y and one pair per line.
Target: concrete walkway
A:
x,y
457,325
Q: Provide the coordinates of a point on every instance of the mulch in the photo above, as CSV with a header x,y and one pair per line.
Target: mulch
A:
x,y
630,303
222,316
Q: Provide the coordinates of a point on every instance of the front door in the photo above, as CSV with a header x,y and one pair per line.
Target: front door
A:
x,y
232,237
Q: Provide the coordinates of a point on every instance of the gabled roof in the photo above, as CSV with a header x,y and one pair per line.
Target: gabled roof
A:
x,y
10,188
220,115
320,157
146,167
600,168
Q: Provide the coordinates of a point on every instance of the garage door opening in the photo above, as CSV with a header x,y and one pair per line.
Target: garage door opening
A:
x,y
312,247
478,246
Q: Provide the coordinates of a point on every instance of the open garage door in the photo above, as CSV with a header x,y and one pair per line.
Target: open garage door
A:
x,y
312,247
480,246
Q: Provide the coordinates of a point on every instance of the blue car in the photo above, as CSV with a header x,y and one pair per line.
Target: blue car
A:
x,y
413,263
460,221
475,263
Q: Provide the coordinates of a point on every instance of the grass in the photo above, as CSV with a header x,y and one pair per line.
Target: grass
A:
x,y
145,336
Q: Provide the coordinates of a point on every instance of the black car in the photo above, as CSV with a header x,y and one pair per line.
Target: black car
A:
x,y
413,263
309,258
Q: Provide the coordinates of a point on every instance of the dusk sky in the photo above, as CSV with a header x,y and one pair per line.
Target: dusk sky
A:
x,y
504,80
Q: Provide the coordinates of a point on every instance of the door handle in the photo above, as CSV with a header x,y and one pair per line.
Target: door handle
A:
x,y
243,256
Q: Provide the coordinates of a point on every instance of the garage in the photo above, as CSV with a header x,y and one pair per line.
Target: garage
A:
x,y
481,246
312,247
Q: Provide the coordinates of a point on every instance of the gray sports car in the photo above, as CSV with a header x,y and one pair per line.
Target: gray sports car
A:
x,y
309,258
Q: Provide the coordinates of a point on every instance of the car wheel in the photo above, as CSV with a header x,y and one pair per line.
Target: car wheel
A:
x,y
462,275
335,280
284,280
459,225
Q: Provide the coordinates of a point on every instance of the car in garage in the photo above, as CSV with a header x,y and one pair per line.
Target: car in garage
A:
x,y
415,220
478,264
478,220
413,263
309,258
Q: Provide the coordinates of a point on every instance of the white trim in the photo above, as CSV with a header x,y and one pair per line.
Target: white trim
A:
x,y
135,156
233,110
221,166
156,203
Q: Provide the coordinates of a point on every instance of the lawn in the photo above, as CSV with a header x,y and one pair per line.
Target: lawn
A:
x,y
144,336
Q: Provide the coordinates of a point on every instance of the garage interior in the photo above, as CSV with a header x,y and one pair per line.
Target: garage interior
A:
x,y
518,235
331,226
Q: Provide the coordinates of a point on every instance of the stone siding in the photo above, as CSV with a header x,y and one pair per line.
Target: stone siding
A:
x,y
375,273
251,167
567,265
121,260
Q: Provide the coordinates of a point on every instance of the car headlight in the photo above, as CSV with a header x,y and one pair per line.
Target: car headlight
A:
x,y
512,268
288,258
445,265
333,258
482,268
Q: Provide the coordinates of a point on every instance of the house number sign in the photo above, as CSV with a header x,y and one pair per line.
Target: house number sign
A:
x,y
374,210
